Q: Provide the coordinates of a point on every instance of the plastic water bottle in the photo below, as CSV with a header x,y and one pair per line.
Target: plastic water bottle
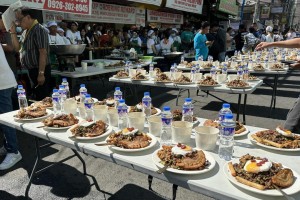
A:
x,y
235,53
182,59
224,69
187,110
82,93
175,67
166,132
200,58
226,59
117,96
226,141
88,104
172,70
213,71
246,73
147,104
126,69
225,110
56,102
210,59
240,72
122,113
66,84
151,70
22,97
138,68
197,68
193,73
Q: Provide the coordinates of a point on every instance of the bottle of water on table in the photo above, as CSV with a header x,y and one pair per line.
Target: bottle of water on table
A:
x,y
139,68
126,67
22,97
172,71
122,113
226,141
88,104
213,72
56,102
182,59
82,93
147,104
188,110
225,110
117,96
240,72
63,96
193,74
166,132
246,73
151,70
66,84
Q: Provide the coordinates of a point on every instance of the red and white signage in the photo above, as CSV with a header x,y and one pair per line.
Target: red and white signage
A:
x,y
163,17
52,16
68,6
107,13
194,6
140,17
153,2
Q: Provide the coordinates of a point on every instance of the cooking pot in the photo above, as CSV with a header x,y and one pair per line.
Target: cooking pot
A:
x,y
64,50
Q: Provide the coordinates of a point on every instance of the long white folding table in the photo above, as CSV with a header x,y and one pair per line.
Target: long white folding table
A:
x,y
213,183
267,72
222,88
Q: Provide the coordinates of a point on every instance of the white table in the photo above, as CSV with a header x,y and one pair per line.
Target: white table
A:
x,y
213,183
222,89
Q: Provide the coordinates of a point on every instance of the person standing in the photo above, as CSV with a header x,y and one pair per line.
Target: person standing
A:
x,y
229,38
220,42
201,43
291,34
136,42
240,37
61,32
176,39
34,49
54,37
270,35
250,41
73,34
187,38
151,47
10,144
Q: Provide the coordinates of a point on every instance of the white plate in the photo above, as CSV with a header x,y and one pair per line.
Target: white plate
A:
x,y
140,79
218,85
269,147
120,77
109,129
208,156
291,190
253,80
242,133
241,88
49,112
152,143
157,109
62,128
184,83
94,99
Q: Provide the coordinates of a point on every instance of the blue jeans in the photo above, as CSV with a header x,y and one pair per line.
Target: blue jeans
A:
x,y
221,56
10,139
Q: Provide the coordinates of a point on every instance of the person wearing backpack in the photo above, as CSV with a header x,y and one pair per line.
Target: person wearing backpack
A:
x,y
250,41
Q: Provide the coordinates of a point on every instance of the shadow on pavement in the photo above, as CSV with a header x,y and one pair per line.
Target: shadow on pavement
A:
x,y
133,192
7,196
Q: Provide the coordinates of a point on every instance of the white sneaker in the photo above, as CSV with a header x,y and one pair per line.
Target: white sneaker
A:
x,y
3,151
10,160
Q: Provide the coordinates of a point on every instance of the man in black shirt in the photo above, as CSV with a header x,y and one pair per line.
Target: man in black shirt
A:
x,y
240,37
34,49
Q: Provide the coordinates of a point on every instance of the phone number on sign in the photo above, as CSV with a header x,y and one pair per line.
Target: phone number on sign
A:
x,y
60,5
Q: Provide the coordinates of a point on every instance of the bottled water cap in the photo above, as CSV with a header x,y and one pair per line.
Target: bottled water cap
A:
x,y
20,86
122,101
188,100
61,87
64,79
226,105
55,90
87,95
167,108
82,85
229,116
117,88
146,93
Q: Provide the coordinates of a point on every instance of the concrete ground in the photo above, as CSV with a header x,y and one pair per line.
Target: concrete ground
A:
x,y
66,181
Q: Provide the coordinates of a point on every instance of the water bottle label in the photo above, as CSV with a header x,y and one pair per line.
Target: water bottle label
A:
x,y
186,111
122,111
88,105
118,97
55,99
83,93
146,103
221,118
228,131
21,94
166,121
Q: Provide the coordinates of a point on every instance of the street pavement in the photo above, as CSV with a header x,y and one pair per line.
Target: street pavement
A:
x,y
65,181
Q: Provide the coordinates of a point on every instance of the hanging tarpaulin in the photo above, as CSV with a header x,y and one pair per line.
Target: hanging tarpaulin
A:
x,y
152,2
68,6
107,13
192,6
140,17
228,6
163,17
265,12
52,16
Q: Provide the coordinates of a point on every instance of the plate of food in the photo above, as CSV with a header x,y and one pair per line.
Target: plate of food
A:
x,y
162,78
277,67
259,67
77,98
183,80
32,113
208,82
272,139
183,159
139,77
110,102
207,65
259,175
121,75
131,140
185,64
45,103
89,130
252,78
240,129
238,84
139,108
60,122
177,116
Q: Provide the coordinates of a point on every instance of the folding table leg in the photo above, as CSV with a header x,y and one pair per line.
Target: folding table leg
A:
x,y
82,161
150,179
273,99
244,109
179,91
239,107
174,189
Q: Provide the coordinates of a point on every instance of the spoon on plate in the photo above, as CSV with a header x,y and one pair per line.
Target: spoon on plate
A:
x,y
283,193
162,170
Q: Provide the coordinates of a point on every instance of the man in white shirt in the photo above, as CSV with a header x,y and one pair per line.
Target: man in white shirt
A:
x,y
73,34
61,32
54,37
10,145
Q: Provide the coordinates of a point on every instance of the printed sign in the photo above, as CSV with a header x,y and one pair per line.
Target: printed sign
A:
x,y
163,17
52,16
194,6
153,2
140,17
